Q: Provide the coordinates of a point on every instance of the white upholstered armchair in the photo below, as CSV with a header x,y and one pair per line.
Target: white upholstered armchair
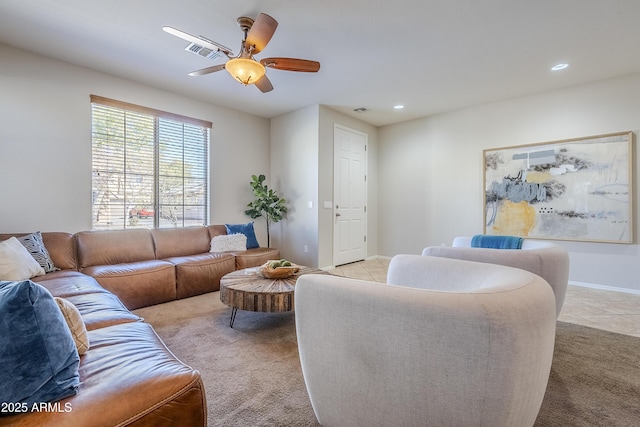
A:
x,y
445,343
548,260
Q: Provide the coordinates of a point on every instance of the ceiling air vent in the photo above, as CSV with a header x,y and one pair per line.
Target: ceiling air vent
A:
x,y
360,110
203,51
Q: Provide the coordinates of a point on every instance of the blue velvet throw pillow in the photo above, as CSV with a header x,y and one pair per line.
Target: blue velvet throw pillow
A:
x,y
38,359
247,230
496,242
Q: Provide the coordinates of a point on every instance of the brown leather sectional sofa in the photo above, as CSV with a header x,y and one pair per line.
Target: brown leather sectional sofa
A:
x,y
128,376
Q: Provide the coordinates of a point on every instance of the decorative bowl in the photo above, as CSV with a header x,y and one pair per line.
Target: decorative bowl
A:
x,y
277,273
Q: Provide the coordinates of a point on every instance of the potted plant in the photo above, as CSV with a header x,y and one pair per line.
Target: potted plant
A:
x,y
267,203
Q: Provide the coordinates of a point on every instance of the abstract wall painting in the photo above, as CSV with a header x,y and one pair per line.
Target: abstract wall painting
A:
x,y
575,189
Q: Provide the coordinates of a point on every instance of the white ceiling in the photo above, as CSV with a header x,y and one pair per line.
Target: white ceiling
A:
x,y
431,55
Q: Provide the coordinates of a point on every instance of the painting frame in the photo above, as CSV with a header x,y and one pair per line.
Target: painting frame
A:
x,y
578,189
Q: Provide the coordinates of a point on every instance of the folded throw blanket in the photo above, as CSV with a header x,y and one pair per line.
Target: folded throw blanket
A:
x,y
496,242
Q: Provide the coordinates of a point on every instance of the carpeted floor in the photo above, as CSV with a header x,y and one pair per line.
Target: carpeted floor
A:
x,y
252,373
594,381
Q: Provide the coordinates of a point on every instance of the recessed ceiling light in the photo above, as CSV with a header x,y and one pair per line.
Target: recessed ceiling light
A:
x,y
398,107
559,67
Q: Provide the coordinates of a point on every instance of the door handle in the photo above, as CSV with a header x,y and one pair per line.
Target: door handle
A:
x,y
337,213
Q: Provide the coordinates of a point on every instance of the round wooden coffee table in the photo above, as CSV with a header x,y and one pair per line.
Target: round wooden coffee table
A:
x,y
247,290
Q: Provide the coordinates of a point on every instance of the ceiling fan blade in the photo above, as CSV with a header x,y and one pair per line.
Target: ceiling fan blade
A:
x,y
264,84
207,70
260,33
291,64
201,41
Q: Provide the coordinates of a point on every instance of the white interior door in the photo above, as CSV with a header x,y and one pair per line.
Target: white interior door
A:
x,y
349,195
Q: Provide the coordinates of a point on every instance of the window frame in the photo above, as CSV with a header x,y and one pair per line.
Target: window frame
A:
x,y
159,205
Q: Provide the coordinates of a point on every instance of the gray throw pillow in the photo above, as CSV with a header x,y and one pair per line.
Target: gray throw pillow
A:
x,y
34,244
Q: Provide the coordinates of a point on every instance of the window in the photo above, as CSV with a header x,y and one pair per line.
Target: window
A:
x,y
150,168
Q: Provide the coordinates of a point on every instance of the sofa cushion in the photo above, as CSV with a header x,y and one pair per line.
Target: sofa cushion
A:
x,y
66,283
198,274
247,230
76,325
16,263
172,242
137,284
38,356
99,310
97,306
114,247
62,249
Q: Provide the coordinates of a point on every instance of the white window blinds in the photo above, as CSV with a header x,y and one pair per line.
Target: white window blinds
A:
x,y
150,168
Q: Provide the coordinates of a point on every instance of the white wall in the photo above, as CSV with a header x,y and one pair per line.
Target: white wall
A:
x,y
45,143
294,166
431,170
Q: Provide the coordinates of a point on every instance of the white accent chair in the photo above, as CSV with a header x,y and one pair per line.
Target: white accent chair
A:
x,y
548,260
445,343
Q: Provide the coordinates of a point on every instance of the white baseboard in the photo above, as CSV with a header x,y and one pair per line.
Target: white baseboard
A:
x,y
378,257
605,287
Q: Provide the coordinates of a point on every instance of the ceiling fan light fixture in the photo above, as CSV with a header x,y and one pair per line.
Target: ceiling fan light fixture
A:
x,y
246,71
243,66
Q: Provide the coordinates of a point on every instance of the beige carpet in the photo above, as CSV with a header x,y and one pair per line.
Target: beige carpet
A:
x,y
594,381
252,372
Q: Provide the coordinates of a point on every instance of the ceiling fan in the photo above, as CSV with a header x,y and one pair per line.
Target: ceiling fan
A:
x,y
243,66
